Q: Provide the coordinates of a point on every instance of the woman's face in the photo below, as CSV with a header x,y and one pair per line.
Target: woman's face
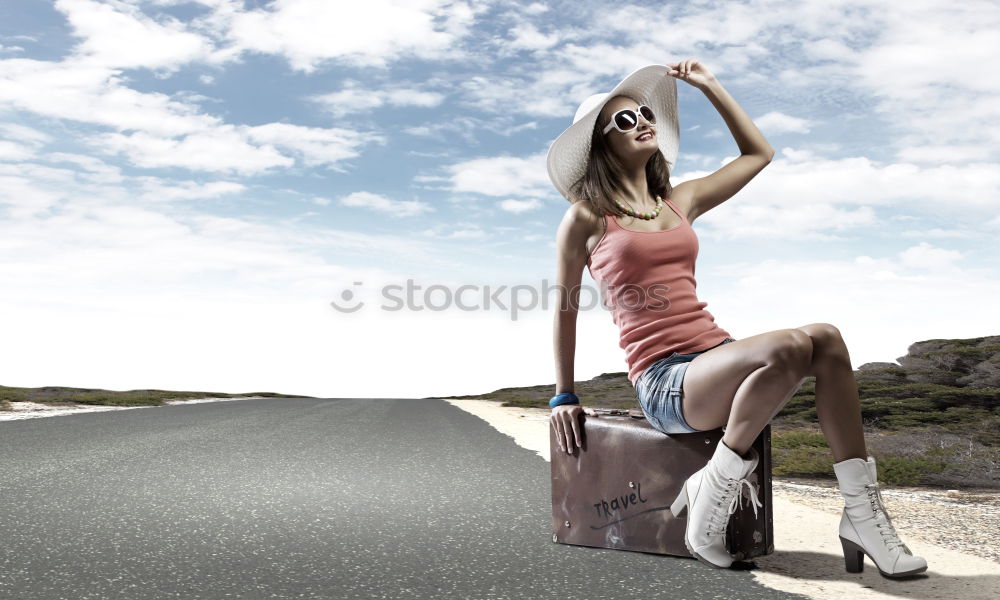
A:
x,y
627,146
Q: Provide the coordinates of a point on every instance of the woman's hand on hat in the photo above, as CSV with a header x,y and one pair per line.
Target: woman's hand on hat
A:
x,y
691,71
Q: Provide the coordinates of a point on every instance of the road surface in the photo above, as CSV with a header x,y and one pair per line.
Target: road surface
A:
x,y
301,498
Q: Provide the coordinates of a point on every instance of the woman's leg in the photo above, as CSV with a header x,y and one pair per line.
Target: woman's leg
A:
x,y
743,384
838,407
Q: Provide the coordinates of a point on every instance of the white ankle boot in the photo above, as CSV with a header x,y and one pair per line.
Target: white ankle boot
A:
x,y
866,528
710,497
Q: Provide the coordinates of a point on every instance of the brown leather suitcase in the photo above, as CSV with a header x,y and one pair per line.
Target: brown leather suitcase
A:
x,y
615,491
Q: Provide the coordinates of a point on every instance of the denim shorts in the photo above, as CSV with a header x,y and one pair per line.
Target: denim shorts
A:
x,y
658,391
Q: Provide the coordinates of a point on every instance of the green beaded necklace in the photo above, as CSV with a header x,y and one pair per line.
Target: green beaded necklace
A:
x,y
647,216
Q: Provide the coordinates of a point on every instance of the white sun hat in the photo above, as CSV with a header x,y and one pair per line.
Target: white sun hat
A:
x,y
651,85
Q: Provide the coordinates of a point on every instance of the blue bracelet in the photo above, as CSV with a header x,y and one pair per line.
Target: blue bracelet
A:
x,y
563,398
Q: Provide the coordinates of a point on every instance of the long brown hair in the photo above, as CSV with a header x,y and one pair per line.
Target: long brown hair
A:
x,y
602,179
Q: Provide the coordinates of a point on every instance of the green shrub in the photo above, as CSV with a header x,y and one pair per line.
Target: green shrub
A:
x,y
796,439
800,407
801,461
983,397
898,470
974,353
990,436
877,406
874,389
905,419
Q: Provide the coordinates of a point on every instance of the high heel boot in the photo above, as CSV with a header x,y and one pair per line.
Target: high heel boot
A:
x,y
710,496
866,527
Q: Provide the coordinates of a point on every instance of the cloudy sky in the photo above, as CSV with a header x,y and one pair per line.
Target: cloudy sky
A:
x,y
187,186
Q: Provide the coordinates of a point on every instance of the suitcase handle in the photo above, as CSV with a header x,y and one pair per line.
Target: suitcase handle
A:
x,y
631,412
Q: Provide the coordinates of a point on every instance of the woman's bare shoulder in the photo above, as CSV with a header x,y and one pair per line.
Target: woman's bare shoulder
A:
x,y
682,198
580,224
583,213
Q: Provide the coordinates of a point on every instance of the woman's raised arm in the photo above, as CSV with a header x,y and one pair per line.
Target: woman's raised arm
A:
x,y
712,190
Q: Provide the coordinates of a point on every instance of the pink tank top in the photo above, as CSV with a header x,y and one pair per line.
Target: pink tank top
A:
x,y
646,279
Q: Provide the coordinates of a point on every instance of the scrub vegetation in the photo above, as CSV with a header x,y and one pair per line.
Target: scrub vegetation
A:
x,y
931,419
68,396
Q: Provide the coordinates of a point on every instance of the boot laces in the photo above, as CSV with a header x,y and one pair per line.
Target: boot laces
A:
x,y
886,528
733,494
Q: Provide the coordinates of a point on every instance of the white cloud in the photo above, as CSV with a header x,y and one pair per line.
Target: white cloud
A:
x,y
365,34
420,131
315,145
528,37
535,8
94,94
154,130
23,198
801,196
957,233
223,149
18,142
121,35
93,169
911,67
125,241
458,231
385,206
539,94
925,256
880,303
458,127
23,133
502,176
94,265
14,151
520,206
861,181
158,190
354,98
778,122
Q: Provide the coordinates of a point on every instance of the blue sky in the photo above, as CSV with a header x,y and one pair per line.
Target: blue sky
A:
x,y
185,186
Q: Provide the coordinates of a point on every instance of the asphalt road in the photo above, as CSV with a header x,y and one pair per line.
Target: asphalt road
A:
x,y
301,498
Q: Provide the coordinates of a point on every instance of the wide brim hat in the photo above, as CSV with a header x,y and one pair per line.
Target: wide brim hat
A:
x,y
651,85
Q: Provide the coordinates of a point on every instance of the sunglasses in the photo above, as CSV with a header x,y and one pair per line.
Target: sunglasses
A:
x,y
626,119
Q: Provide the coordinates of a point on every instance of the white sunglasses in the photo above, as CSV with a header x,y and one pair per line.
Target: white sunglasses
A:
x,y
625,120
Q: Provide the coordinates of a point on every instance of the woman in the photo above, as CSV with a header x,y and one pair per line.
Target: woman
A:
x,y
632,229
